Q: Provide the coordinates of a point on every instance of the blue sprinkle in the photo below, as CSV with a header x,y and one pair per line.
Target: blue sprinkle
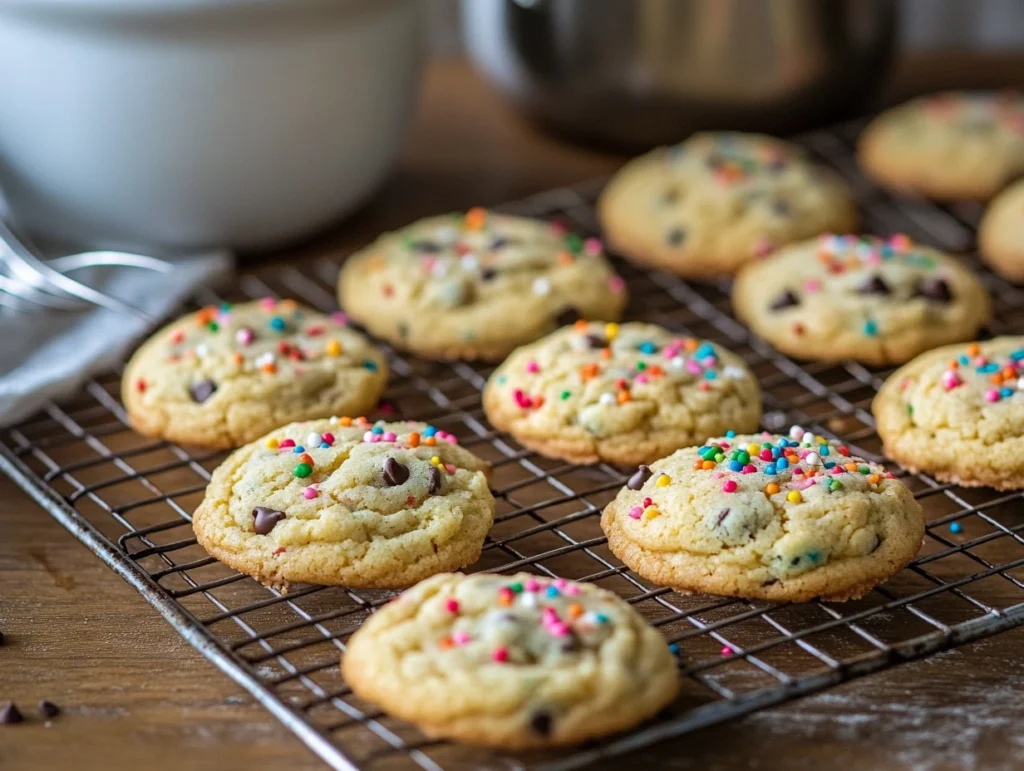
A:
x,y
782,463
830,464
814,556
324,445
601,618
673,649
1017,355
552,591
823,449
278,323
735,465
370,365
770,469
870,329
987,368
299,449
710,374
1006,393
377,430
704,351
502,379
648,347
429,431
730,434
776,453
956,527
964,359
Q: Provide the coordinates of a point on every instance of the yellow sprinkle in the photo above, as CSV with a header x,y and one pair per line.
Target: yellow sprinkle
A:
x,y
272,443
651,512
611,331
435,460
333,348
874,479
771,488
793,496
754,449
664,481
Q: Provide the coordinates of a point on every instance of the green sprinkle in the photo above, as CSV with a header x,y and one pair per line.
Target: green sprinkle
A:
x,y
370,365
864,470
719,457
502,379
565,395
574,243
835,484
213,326
743,456
303,470
516,587
641,366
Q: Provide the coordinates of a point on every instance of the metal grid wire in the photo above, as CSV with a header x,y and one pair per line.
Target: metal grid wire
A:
x,y
130,500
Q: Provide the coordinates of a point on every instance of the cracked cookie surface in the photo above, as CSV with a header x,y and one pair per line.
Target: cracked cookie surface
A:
x,y
347,502
765,516
511,661
859,297
476,285
703,208
948,145
226,375
622,393
957,413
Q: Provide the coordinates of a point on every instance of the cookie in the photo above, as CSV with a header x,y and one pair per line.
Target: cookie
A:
x,y
947,146
477,285
765,517
511,661
224,376
1001,235
957,413
861,298
703,208
624,394
347,502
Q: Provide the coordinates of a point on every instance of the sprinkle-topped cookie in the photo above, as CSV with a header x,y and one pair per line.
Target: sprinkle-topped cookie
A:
x,y
949,145
718,200
957,413
859,297
624,393
349,502
225,375
476,285
511,661
1001,233
765,516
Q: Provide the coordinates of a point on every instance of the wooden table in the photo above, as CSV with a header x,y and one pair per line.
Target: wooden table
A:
x,y
135,695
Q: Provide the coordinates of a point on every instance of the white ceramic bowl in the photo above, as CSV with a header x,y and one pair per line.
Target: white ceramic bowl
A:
x,y
200,123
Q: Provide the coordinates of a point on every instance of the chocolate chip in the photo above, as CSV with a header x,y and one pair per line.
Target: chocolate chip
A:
x,y
936,289
596,341
394,473
785,300
569,643
488,274
541,723
794,561
434,484
675,237
569,316
264,519
10,714
770,582
202,390
643,473
427,247
500,242
48,709
721,516
874,285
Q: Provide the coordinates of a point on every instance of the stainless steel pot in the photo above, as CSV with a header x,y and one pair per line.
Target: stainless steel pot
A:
x,y
643,72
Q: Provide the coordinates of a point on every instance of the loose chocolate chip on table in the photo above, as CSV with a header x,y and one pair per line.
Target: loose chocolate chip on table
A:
x,y
675,237
934,289
569,316
48,709
202,390
643,473
874,285
264,519
10,714
785,300
434,477
394,473
541,723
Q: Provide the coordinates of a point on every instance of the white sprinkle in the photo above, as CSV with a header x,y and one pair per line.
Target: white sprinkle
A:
x,y
202,350
469,261
812,459
1020,384
541,286
446,234
528,599
439,270
314,439
265,358
334,420
607,398
678,362
796,432
733,372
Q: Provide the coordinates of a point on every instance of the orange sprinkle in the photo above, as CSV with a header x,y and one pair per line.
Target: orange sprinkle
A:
x,y
996,379
564,258
973,349
476,217
376,263
954,364
697,466
304,458
1009,374
707,465
345,421
606,353
575,610
851,467
655,370
205,316
506,599
430,441
690,344
580,326
140,385
445,643
771,488
270,368
287,305
280,550
238,358
538,401
588,371
623,396
874,479
333,348
413,439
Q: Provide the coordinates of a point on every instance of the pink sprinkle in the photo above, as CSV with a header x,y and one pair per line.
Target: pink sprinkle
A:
x,y
726,650
641,379
522,399
549,614
812,285
500,655
559,629
245,336
450,468
559,228
647,502
950,379
709,361
339,318
671,351
268,303
766,454
729,486
636,512
616,284
532,585
592,246
460,638
389,436
328,437
805,484
992,395
749,469
309,492
572,590
559,583
763,248
287,443
451,605
693,367
532,367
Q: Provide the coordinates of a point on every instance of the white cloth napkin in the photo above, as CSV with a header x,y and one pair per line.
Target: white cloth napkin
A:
x,y
49,354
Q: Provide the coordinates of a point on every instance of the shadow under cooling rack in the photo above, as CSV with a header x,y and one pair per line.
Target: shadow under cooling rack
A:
x,y
130,499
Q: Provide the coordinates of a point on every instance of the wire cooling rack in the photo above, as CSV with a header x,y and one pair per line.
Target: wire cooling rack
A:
x,y
130,499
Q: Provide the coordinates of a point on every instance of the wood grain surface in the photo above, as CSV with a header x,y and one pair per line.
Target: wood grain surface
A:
x,y
134,695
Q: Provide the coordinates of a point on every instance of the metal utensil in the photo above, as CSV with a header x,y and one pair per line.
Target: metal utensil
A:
x,y
641,72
